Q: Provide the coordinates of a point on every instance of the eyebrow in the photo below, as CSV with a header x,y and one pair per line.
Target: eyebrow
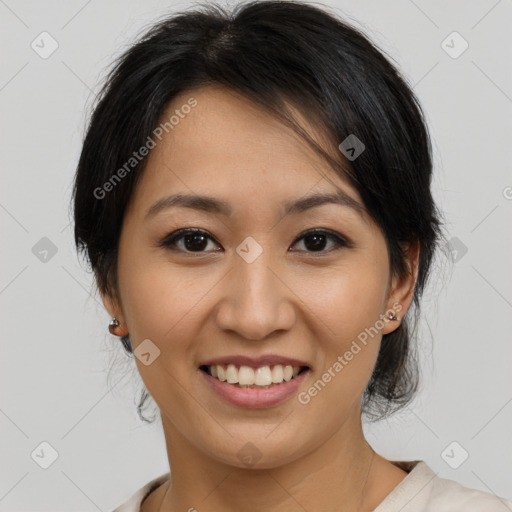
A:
x,y
220,207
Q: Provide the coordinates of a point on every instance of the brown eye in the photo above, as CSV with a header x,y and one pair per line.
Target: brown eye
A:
x,y
194,240
317,240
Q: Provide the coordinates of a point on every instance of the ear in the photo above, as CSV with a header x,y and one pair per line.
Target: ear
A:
x,y
112,305
401,290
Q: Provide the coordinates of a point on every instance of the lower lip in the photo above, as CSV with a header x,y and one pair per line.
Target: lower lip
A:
x,y
253,397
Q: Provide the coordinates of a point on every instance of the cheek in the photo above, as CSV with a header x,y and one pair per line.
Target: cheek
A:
x,y
156,300
162,305
348,299
348,303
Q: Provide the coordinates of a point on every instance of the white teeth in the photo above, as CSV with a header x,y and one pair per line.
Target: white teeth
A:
x,y
232,374
221,373
247,376
262,376
277,374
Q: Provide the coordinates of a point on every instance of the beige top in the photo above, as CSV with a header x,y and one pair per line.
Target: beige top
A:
x,y
420,491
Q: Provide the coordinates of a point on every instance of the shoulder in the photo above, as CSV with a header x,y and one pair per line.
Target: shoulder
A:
x,y
449,495
422,490
134,502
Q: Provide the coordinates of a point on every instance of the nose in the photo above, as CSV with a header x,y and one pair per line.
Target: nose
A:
x,y
255,300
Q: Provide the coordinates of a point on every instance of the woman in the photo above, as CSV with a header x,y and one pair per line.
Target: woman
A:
x,y
253,195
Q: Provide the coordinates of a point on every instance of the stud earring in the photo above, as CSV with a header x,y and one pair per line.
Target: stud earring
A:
x,y
392,316
114,324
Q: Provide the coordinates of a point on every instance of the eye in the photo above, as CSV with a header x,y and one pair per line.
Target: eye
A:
x,y
316,240
196,240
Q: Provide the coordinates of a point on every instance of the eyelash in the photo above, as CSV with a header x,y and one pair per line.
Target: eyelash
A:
x,y
171,239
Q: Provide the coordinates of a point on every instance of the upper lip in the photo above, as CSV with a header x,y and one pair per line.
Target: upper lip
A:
x,y
256,362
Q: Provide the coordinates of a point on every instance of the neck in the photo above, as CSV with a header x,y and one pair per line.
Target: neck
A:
x,y
341,471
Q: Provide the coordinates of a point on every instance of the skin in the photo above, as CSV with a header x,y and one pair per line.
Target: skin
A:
x,y
291,300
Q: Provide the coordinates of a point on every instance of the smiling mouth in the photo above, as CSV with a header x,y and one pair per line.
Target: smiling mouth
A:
x,y
249,377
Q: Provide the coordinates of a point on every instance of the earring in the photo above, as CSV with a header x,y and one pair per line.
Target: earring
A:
x,y
392,316
114,324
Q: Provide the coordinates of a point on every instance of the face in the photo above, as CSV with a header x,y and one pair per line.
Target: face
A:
x,y
260,284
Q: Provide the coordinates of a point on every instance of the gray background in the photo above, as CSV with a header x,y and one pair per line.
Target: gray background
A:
x,y
56,352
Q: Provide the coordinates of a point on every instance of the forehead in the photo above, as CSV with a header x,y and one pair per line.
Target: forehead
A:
x,y
215,140
226,123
